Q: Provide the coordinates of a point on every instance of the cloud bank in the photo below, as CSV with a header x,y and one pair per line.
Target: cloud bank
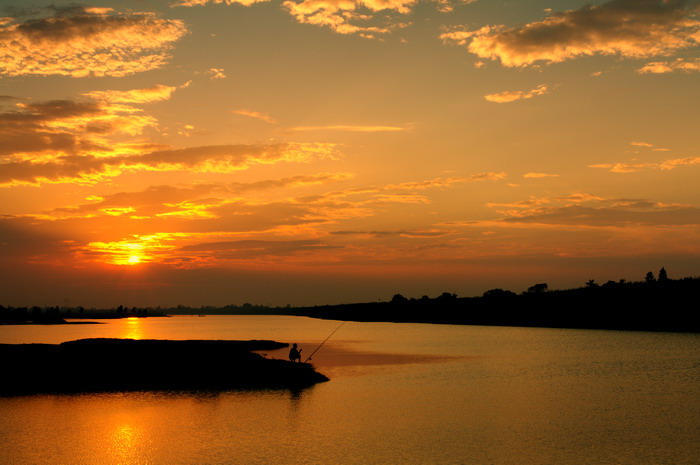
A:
x,y
626,28
80,42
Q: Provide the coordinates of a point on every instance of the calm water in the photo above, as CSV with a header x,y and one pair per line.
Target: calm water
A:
x,y
399,394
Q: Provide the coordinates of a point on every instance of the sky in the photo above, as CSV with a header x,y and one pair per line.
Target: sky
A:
x,y
307,152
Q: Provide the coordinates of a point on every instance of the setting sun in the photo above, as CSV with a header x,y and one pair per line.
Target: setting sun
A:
x,y
134,259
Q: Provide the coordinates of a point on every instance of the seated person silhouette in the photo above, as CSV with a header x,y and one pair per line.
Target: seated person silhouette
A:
x,y
295,354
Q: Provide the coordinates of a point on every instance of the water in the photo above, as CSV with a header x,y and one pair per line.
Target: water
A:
x,y
399,393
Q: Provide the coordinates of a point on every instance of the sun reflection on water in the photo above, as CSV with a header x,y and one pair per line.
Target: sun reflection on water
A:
x,y
126,444
134,328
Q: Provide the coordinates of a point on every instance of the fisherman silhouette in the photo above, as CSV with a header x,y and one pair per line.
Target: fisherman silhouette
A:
x,y
295,354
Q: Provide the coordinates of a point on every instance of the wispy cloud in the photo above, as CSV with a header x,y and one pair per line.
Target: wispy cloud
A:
x,y
594,210
82,42
218,2
663,67
216,73
540,175
647,145
255,114
627,28
511,96
185,201
156,93
446,182
205,159
633,167
351,128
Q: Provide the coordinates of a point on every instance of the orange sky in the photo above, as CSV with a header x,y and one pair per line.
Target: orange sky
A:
x,y
207,152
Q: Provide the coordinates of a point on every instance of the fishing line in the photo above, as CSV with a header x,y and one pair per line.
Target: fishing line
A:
x,y
312,353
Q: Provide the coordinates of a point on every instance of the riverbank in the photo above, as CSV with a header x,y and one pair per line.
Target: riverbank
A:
x,y
96,365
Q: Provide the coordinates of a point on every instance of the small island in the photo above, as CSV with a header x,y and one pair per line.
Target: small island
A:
x,y
99,365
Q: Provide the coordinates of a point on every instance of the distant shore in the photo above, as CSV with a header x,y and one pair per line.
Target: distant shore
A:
x,y
655,304
666,305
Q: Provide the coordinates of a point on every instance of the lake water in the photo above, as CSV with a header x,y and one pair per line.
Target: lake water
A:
x,y
399,394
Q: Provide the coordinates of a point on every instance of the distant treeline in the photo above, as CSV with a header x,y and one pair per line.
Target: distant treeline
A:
x,y
655,304
58,315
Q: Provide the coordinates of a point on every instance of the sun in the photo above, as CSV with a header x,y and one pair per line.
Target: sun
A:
x,y
133,259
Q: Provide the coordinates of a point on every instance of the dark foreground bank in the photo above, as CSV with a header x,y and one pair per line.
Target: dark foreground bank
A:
x,y
95,365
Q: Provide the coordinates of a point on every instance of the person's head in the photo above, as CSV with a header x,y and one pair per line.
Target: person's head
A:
x,y
294,345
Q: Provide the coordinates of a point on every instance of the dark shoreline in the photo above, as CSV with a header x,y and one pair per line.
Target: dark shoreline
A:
x,y
657,306
108,365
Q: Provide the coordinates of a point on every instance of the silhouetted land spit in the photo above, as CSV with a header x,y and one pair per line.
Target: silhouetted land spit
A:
x,y
664,305
96,365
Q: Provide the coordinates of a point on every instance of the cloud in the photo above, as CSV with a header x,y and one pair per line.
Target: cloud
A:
x,y
225,2
592,210
627,28
350,128
512,96
641,144
540,175
255,114
367,18
663,67
44,131
80,42
633,167
156,93
205,159
349,16
416,233
247,249
216,73
446,182
81,141
619,216
185,201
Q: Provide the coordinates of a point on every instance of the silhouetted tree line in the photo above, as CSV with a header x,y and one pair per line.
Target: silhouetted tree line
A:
x,y
58,315
656,304
231,309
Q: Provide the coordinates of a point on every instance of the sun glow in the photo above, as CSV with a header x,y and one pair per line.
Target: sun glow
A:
x,y
136,250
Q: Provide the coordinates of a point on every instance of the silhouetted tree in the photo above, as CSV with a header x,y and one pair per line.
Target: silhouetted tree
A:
x,y
541,287
398,299
447,296
591,283
649,277
496,293
662,275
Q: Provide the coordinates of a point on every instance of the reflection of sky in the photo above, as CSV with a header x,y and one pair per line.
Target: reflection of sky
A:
x,y
133,328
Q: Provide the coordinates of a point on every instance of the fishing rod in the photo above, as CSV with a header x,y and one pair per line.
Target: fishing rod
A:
x,y
324,341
